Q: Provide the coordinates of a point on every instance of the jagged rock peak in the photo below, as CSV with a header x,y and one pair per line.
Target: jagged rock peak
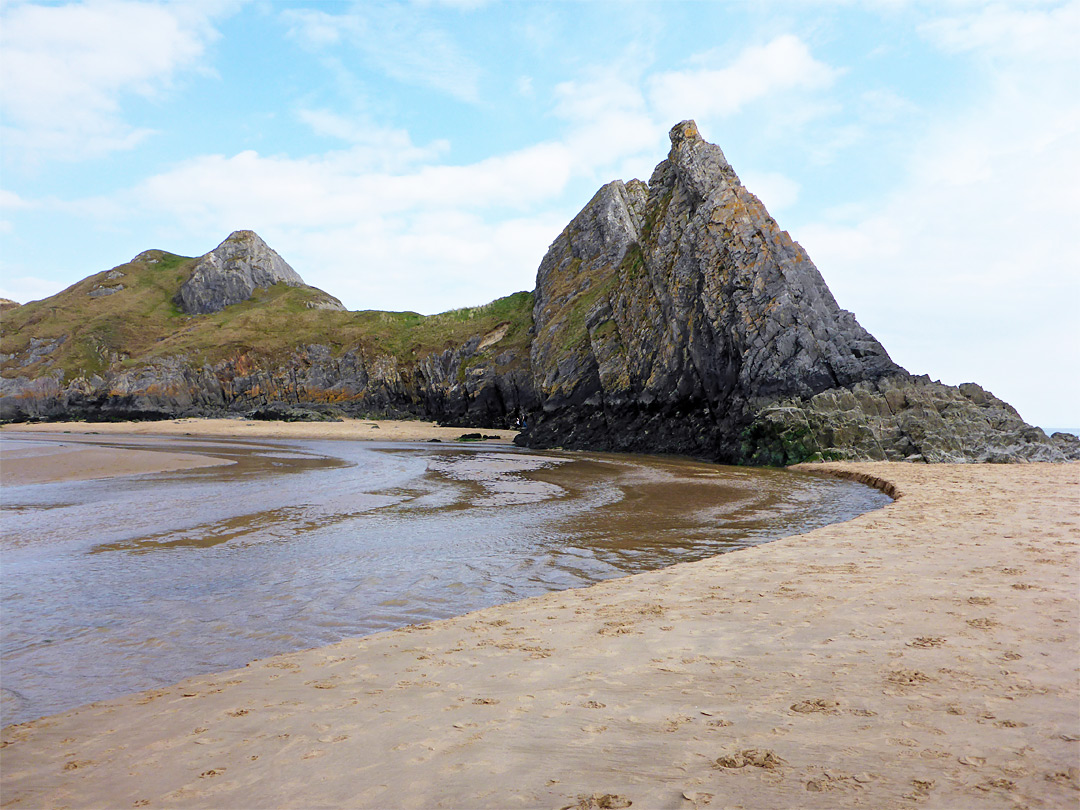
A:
x,y
678,317
684,131
231,272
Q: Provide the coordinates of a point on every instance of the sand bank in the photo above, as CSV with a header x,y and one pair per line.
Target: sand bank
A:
x,y
926,654
24,463
382,430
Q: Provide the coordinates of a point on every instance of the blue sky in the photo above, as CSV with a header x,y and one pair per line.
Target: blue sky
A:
x,y
422,155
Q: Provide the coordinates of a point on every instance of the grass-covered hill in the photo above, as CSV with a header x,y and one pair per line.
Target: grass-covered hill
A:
x,y
113,324
142,322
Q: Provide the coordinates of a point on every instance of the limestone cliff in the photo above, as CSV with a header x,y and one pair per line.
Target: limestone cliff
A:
x,y
676,317
668,317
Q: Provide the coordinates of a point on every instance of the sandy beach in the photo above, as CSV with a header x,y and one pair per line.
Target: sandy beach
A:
x,y
381,430
926,654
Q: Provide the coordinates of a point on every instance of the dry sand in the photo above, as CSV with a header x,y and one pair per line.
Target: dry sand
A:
x,y
926,654
381,430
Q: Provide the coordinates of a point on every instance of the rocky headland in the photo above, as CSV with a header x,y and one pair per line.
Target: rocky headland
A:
x,y
668,317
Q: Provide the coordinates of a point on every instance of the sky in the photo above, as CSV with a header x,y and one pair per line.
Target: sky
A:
x,y
422,155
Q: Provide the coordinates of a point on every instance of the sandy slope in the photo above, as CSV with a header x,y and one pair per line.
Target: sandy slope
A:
x,y
923,655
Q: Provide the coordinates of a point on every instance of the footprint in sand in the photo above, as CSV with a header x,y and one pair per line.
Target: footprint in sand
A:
x,y
599,801
699,798
831,780
757,757
674,723
907,677
815,705
927,641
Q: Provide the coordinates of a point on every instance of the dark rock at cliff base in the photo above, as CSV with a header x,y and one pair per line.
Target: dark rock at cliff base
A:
x,y
284,412
676,317
231,272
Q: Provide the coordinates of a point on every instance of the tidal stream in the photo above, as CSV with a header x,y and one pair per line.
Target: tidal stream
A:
x,y
111,586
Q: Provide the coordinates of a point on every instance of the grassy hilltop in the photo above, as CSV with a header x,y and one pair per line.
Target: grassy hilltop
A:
x,y
141,322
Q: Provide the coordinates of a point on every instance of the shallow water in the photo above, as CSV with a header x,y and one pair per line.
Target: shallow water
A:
x,y
117,585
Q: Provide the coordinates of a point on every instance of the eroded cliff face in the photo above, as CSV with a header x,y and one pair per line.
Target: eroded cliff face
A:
x,y
668,317
468,386
678,318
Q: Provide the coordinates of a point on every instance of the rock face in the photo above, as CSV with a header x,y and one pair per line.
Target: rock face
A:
x,y
468,386
676,317
231,272
668,317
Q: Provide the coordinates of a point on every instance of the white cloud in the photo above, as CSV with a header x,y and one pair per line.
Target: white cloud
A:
x,y
10,201
394,40
460,5
429,263
1000,30
781,65
375,232
776,191
68,68
375,148
612,132
961,271
25,289
339,187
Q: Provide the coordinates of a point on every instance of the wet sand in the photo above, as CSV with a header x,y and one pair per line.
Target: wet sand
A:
x,y
926,654
117,586
22,463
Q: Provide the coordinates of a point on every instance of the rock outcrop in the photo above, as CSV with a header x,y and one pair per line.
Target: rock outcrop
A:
x,y
668,317
467,386
231,272
676,317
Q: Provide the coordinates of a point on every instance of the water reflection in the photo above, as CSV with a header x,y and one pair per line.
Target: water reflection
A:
x,y
117,585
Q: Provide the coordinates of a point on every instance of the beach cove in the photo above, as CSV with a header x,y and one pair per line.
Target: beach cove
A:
x,y
924,653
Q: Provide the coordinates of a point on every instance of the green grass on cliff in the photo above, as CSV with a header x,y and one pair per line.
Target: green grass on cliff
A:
x,y
96,329
141,323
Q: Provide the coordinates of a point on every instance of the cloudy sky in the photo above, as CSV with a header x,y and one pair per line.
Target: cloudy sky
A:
x,y
422,155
